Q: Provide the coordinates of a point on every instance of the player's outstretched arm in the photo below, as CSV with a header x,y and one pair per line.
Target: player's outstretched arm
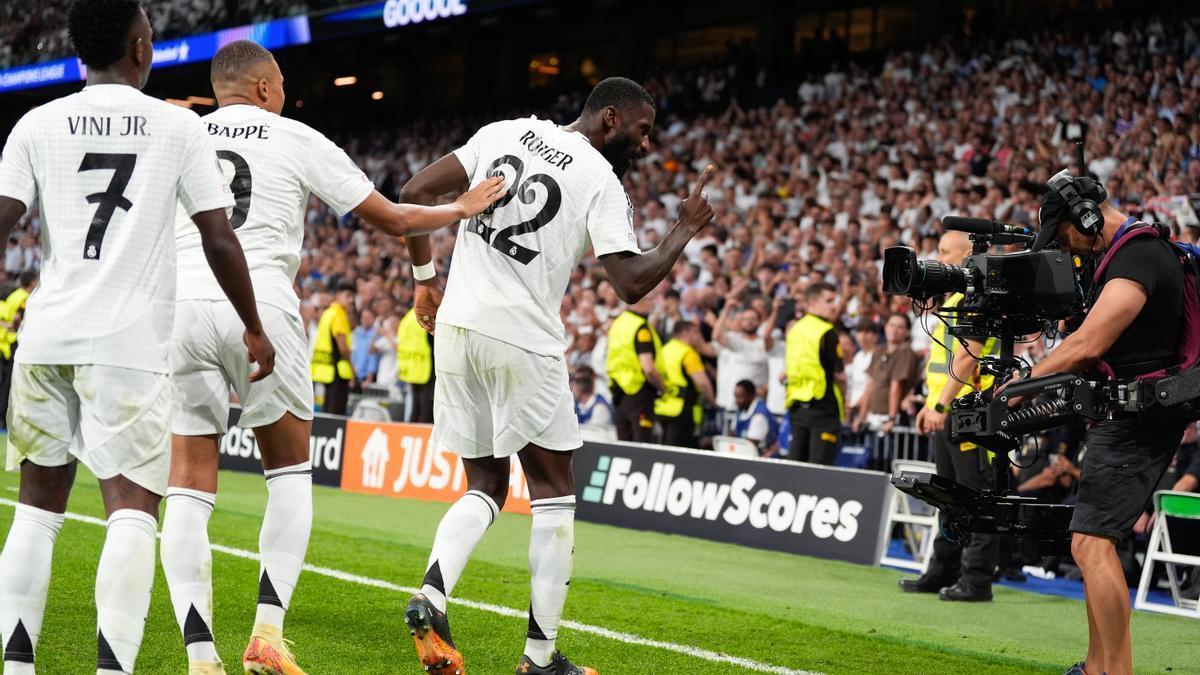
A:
x,y
11,211
406,220
228,264
443,176
632,275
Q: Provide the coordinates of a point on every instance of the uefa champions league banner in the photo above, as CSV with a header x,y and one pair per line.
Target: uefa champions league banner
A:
x,y
807,509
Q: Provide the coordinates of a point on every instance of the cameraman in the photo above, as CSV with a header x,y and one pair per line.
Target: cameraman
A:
x,y
1133,324
955,573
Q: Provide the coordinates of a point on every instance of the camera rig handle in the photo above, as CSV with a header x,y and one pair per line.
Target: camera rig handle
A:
x,y
986,418
990,422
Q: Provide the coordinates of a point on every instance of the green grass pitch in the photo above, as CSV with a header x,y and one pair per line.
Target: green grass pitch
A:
x,y
781,610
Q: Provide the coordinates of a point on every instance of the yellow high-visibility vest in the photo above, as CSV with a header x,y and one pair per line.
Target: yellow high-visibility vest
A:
x,y
806,379
622,363
13,304
937,369
414,354
333,320
677,386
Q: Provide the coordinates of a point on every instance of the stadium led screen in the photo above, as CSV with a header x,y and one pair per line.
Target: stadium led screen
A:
x,y
197,48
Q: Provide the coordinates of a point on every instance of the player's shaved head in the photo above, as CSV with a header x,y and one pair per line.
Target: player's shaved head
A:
x,y
241,61
245,72
621,93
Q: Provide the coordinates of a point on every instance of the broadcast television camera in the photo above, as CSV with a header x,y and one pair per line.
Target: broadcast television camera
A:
x,y
1012,293
1007,296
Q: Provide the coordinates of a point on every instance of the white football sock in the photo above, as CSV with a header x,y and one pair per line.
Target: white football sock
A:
x,y
283,540
123,582
551,552
460,530
187,563
24,582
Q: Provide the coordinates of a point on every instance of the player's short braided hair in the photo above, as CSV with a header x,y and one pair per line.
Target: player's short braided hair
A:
x,y
621,93
236,59
98,29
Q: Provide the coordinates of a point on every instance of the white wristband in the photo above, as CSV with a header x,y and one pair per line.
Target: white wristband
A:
x,y
424,272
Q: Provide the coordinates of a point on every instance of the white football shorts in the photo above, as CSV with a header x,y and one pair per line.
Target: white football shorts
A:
x,y
491,398
208,357
117,421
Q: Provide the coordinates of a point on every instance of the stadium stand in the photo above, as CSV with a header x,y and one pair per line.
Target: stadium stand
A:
x,y
859,153
812,186
815,186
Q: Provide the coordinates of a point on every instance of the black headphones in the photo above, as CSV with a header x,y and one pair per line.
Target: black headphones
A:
x,y
1085,213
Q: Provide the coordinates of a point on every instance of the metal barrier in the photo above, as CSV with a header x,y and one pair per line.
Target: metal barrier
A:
x,y
901,444
882,450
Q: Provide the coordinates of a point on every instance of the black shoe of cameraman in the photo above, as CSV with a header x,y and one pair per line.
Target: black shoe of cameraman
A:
x,y
960,592
924,584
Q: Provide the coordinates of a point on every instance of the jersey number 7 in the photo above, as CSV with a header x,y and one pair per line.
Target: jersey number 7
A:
x,y
503,239
110,200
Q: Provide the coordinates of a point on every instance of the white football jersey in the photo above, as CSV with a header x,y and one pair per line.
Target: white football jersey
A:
x,y
271,164
109,165
511,266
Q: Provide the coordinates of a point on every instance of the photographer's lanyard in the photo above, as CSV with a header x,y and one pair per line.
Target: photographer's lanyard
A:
x,y
1121,230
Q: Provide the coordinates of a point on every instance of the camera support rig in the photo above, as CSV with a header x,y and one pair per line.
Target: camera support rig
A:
x,y
988,420
1011,295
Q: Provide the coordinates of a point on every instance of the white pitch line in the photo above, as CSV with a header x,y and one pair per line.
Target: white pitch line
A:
x,y
628,638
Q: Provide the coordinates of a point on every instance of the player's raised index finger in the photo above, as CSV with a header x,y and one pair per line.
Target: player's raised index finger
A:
x,y
704,178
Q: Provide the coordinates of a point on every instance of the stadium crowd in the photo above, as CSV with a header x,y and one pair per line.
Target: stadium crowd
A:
x,y
811,187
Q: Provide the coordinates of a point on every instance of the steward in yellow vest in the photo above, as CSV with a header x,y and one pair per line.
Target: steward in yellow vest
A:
x,y
633,346
331,354
955,573
813,360
414,365
12,310
679,408
937,368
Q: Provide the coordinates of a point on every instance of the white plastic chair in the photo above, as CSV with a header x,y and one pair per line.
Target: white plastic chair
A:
x,y
1169,504
919,528
733,445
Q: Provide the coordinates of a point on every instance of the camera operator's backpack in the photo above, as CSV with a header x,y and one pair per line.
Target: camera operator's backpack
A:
x,y
1188,351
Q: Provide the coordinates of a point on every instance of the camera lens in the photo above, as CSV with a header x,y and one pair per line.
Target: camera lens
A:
x,y
903,274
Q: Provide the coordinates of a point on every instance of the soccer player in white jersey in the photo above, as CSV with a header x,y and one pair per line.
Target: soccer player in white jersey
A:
x,y
273,164
108,166
502,386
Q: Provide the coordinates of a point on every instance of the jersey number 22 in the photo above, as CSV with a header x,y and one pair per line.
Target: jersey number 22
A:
x,y
503,238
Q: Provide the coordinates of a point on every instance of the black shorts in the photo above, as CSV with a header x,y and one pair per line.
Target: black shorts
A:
x,y
1122,466
1188,461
